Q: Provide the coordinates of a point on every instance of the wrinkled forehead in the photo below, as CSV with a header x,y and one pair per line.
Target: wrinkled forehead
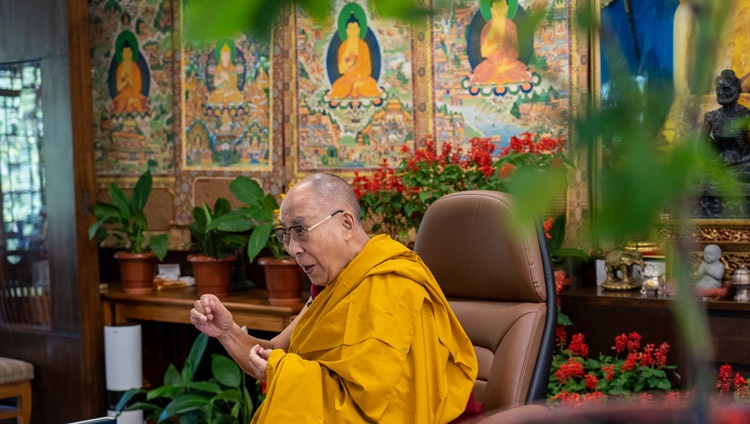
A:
x,y
299,207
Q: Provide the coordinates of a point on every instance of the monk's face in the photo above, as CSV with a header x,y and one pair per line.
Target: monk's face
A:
x,y
325,253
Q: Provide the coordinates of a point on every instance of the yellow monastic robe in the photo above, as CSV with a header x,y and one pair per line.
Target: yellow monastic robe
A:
x,y
379,344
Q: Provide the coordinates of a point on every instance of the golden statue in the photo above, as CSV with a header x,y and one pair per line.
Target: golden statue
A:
x,y
128,84
499,48
355,66
225,81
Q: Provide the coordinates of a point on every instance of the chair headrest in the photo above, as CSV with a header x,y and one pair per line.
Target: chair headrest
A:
x,y
473,244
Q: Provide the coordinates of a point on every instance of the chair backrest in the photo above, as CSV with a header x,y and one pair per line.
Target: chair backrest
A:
x,y
499,281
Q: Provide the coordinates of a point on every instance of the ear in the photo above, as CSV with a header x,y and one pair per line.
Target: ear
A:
x,y
347,224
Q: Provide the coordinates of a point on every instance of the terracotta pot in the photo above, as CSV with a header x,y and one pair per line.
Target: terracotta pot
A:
x,y
283,280
212,275
137,271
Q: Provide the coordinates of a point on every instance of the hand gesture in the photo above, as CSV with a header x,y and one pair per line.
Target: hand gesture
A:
x,y
210,316
259,361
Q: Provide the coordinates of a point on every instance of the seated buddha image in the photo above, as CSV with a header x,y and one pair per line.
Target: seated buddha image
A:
x,y
499,49
128,79
225,80
354,77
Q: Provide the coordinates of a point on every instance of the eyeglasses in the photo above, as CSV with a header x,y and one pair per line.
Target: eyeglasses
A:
x,y
299,232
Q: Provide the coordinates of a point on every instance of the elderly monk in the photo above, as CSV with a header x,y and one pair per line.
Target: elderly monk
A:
x,y
379,344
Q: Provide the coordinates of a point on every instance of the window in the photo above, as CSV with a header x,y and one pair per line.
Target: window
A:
x,y
25,272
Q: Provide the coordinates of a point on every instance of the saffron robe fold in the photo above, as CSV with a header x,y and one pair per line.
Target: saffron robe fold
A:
x,y
379,344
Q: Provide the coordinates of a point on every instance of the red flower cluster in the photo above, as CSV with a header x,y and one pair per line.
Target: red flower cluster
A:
x,y
526,144
726,381
573,372
394,199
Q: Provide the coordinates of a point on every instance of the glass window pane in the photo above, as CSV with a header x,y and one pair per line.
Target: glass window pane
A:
x,y
24,270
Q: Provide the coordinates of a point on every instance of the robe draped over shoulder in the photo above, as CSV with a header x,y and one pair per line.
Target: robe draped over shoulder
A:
x,y
379,344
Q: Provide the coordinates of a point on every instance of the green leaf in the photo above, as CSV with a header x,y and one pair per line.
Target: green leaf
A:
x,y
172,376
159,244
221,207
183,404
121,201
226,371
126,397
246,190
142,191
167,392
258,240
204,386
233,395
196,353
94,228
105,211
233,222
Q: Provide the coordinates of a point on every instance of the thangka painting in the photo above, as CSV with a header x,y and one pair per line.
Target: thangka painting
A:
x,y
132,86
354,82
496,75
227,105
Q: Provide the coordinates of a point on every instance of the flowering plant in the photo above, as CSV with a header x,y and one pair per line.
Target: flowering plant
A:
x,y
634,368
575,378
395,199
726,382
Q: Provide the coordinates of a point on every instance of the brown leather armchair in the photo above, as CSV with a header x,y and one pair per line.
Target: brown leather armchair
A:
x,y
499,281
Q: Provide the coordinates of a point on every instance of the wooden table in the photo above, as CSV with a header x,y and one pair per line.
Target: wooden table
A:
x,y
250,308
601,315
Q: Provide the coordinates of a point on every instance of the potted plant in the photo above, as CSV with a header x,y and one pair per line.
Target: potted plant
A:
x,y
212,267
283,274
223,398
125,221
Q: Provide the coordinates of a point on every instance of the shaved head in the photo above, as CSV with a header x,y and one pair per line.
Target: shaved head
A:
x,y
325,205
335,190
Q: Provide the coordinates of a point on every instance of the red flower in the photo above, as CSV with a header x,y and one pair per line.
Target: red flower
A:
x,y
739,381
595,398
507,170
621,342
630,362
609,371
577,346
660,356
548,226
591,381
634,341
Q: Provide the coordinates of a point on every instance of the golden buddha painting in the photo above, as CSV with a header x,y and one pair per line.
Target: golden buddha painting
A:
x,y
355,90
497,75
497,62
227,106
128,76
352,65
